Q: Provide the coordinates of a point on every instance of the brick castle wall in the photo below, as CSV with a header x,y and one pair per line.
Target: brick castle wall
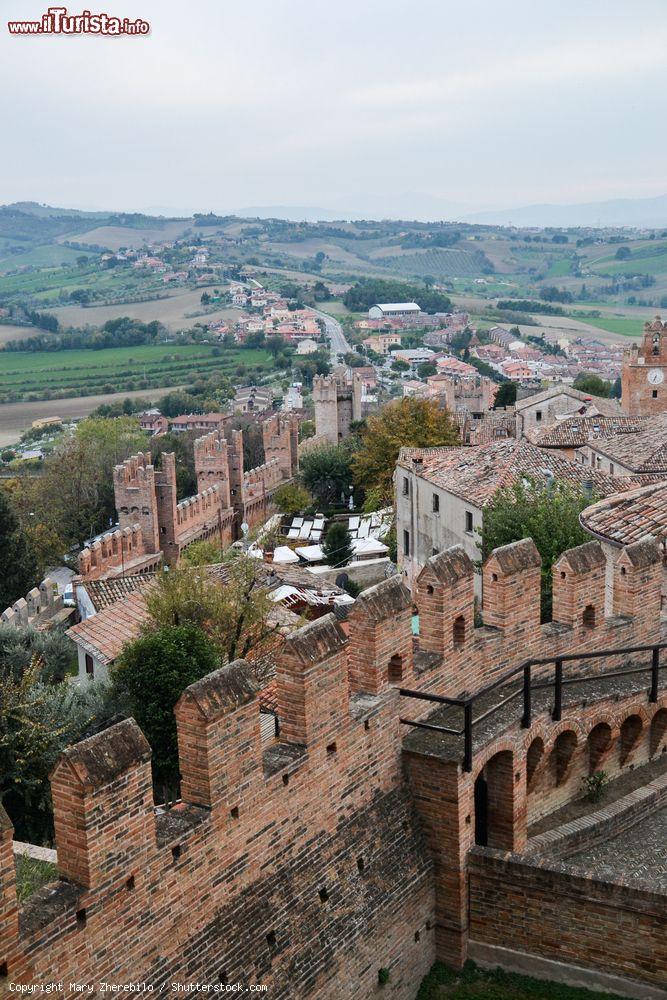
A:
x,y
343,847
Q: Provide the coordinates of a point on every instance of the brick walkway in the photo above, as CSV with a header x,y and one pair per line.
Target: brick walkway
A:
x,y
639,853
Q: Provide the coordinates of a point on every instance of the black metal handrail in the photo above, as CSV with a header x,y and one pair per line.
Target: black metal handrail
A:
x,y
527,687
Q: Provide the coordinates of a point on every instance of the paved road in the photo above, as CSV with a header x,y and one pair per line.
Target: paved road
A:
x,y
337,342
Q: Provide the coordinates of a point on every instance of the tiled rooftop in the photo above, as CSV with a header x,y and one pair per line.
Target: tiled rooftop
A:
x,y
104,634
476,474
624,518
643,451
574,432
104,593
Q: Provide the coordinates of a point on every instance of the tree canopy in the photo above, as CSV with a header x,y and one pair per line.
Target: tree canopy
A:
x,y
151,675
410,422
337,546
18,563
593,384
549,516
326,473
369,291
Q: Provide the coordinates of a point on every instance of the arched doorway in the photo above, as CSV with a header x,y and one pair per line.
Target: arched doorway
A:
x,y
494,803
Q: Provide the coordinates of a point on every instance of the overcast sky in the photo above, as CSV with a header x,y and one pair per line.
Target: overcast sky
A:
x,y
383,106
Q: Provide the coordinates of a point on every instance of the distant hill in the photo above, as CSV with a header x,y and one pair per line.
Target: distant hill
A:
x,y
641,213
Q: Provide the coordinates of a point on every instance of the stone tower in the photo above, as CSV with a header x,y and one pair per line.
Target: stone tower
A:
x,y
644,374
136,500
333,407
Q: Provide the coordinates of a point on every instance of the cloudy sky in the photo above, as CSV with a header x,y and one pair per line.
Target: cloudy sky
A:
x,y
378,106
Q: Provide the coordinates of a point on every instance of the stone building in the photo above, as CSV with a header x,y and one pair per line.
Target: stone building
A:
x,y
441,493
397,816
644,372
333,400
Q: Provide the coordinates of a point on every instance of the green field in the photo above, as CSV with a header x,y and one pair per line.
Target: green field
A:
x,y
615,324
58,374
473,983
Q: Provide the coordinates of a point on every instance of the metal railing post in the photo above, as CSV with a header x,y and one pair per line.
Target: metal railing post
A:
x,y
527,699
655,673
467,736
558,692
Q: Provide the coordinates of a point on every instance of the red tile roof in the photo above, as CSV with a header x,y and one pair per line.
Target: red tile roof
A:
x,y
624,518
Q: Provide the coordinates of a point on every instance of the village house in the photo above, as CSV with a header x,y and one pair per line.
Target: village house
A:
x,y
642,450
382,343
544,408
441,493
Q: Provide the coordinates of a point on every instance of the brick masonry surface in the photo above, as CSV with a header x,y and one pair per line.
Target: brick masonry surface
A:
x,y
345,846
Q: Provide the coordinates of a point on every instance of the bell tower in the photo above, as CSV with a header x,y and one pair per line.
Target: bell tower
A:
x,y
644,374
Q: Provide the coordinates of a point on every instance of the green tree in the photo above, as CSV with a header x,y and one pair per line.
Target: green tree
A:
x,y
18,563
506,395
230,604
549,516
399,365
151,674
291,498
593,384
428,368
337,546
326,473
413,423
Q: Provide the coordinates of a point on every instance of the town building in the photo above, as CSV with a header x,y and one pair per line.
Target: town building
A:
x,y
441,493
644,373
202,422
382,343
545,408
391,310
634,450
625,518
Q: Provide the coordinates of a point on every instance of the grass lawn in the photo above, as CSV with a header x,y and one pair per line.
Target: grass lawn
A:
x,y
474,983
615,324
32,874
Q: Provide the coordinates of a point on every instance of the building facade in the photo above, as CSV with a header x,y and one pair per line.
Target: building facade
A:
x,y
644,373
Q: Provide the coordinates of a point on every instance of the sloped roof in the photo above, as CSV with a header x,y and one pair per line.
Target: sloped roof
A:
x,y
104,593
624,518
607,407
104,634
643,451
576,431
476,474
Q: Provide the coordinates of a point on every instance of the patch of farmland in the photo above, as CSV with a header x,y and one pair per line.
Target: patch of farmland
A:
x,y
173,311
8,333
438,263
115,237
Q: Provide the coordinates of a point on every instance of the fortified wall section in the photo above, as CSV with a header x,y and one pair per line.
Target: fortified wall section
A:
x,y
308,868
153,525
37,607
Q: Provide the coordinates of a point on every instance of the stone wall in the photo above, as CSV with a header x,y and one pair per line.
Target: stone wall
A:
x,y
343,847
37,606
536,908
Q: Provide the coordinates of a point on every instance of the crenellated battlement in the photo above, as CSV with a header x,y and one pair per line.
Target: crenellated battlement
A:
x,y
118,552
317,827
37,608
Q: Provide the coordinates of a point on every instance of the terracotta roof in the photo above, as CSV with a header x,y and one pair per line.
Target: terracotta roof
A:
x,y
574,432
104,593
103,635
476,474
607,407
624,518
643,451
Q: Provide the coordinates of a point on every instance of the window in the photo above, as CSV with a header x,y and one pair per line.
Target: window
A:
x,y
611,468
469,521
435,504
90,666
406,486
395,670
538,415
459,631
406,543
654,394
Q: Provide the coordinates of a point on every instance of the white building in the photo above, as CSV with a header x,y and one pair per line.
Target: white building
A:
x,y
389,310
